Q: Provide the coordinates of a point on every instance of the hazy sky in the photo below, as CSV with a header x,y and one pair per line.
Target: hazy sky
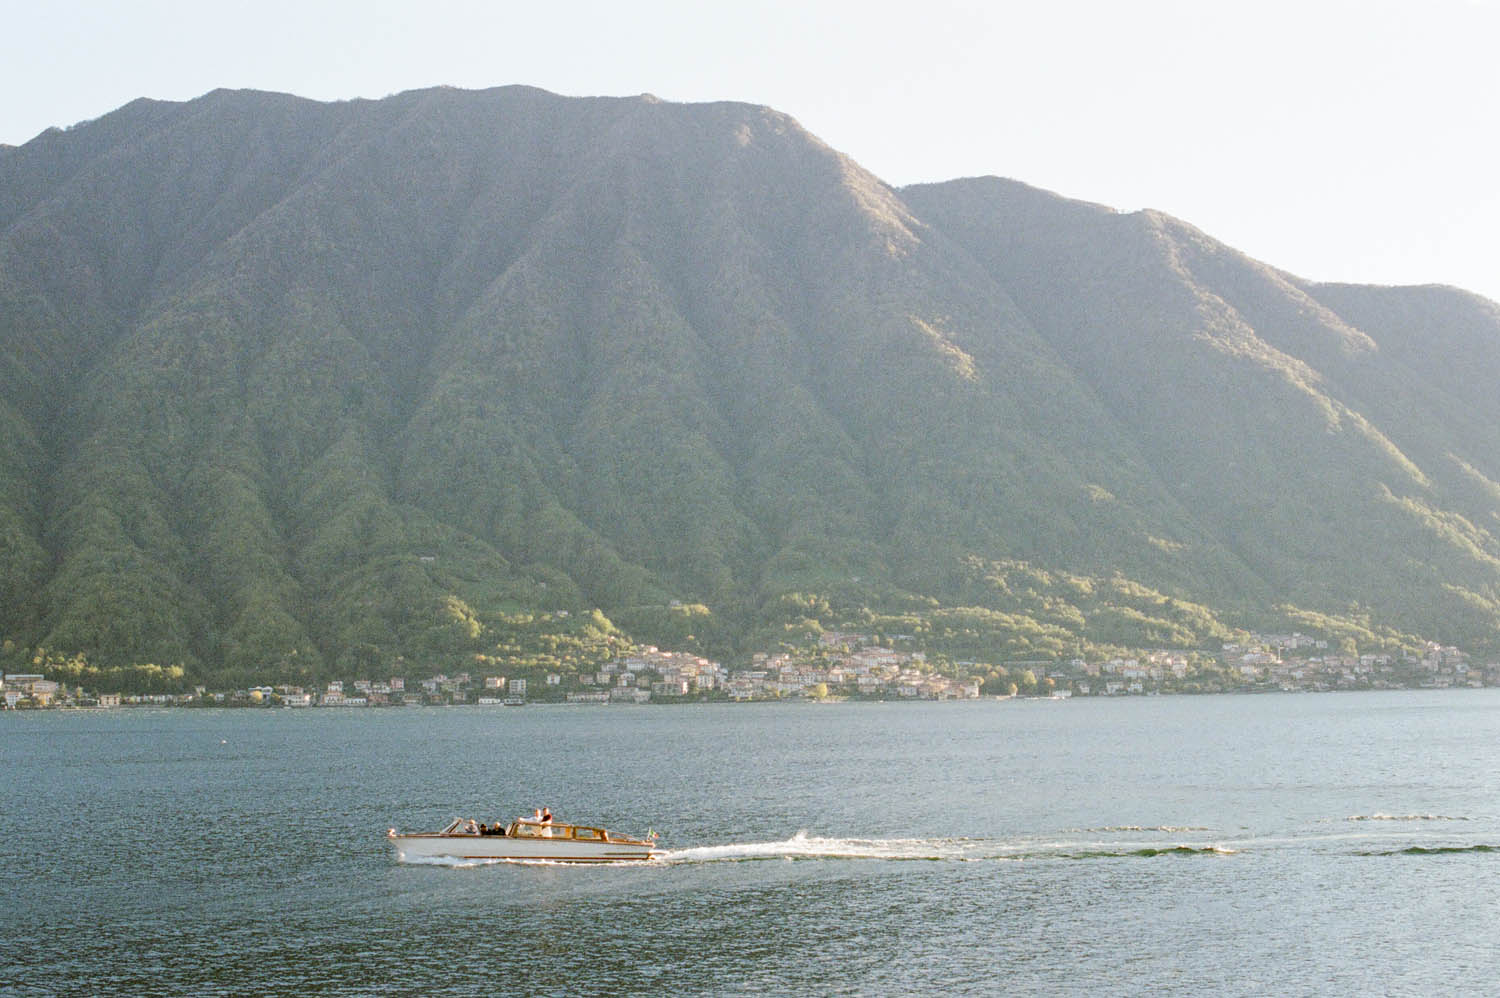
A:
x,y
1353,140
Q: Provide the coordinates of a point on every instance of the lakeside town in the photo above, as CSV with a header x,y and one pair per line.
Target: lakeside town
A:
x,y
844,666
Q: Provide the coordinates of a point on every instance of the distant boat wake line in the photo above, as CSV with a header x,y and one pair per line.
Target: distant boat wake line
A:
x,y
1405,817
1142,828
1088,846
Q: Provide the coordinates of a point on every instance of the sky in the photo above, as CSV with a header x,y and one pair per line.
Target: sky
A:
x,y
1340,140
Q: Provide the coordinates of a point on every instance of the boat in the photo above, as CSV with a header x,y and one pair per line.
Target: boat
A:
x,y
523,839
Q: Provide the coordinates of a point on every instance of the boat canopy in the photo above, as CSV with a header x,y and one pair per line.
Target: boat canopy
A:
x,y
529,828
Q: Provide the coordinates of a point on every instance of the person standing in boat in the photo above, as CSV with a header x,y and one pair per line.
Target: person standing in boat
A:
x,y
546,816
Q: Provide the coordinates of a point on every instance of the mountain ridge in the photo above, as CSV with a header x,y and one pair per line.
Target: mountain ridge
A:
x,y
295,386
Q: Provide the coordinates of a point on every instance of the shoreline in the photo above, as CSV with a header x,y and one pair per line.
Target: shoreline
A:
x,y
704,702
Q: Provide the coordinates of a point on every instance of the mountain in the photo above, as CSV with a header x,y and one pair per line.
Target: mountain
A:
x,y
293,389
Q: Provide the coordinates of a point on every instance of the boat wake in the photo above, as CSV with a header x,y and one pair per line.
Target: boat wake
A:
x,y
953,850
1102,844
804,846
1147,852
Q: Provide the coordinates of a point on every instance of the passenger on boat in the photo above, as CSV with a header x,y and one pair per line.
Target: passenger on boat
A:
x,y
470,828
546,815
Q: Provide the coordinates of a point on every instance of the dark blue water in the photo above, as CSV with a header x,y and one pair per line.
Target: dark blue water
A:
x,y
1339,844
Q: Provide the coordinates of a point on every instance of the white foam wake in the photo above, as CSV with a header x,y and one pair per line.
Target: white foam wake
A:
x,y
453,861
804,846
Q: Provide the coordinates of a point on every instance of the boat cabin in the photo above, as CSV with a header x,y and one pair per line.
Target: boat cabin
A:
x,y
527,828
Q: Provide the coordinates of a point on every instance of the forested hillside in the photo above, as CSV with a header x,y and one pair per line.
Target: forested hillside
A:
x,y
292,390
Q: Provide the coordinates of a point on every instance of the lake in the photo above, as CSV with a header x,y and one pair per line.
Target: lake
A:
x,y
1235,845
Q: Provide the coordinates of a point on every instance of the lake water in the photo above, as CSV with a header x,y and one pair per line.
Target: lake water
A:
x,y
1237,845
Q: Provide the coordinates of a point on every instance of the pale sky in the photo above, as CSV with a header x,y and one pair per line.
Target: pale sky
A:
x,y
1342,140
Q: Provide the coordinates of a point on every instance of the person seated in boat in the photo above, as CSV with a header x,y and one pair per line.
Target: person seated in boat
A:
x,y
470,828
497,828
484,829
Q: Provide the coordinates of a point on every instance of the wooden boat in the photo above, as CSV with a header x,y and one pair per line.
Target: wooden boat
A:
x,y
523,839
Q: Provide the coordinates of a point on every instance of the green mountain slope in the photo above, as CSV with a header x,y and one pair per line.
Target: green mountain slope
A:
x,y
1290,419
292,389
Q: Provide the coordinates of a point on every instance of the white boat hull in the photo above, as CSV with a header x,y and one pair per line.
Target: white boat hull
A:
x,y
409,847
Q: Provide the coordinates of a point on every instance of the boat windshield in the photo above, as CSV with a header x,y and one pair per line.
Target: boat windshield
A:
x,y
461,826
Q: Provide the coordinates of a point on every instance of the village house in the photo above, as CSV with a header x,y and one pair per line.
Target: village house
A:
x,y
29,686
